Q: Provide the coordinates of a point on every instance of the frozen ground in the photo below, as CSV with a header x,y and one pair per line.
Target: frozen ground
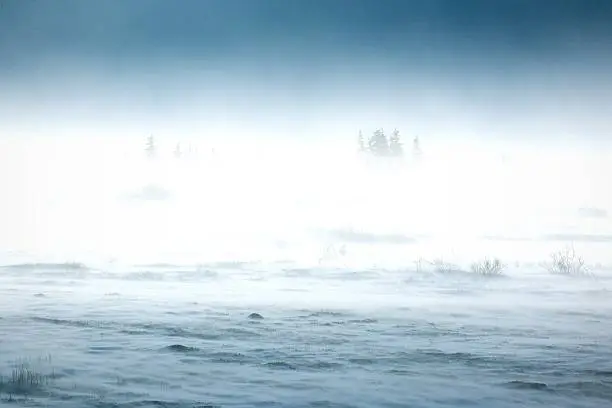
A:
x,y
171,261
181,337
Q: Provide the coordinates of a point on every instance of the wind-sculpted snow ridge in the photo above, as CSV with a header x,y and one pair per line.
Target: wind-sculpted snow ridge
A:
x,y
355,236
593,212
579,237
127,359
334,263
340,332
48,266
152,192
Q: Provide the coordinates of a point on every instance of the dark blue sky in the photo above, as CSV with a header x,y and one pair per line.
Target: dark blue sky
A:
x,y
406,30
311,48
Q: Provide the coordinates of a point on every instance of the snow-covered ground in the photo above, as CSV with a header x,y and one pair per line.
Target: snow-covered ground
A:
x,y
170,257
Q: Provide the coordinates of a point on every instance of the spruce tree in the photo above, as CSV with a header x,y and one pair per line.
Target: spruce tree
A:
x,y
395,145
416,148
378,143
150,148
361,142
372,143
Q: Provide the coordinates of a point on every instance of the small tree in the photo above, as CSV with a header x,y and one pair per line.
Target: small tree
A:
x,y
378,143
150,147
416,148
177,151
395,145
361,142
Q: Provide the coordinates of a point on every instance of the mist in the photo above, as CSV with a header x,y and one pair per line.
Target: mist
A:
x,y
99,197
205,203
273,160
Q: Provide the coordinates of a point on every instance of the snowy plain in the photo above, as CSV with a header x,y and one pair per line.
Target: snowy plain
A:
x,y
128,282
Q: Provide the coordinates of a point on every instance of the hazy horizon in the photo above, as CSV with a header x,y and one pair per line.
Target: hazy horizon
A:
x,y
513,71
82,85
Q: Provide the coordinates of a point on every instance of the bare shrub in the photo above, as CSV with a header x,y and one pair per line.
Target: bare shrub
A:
x,y
331,253
488,267
566,262
441,266
418,264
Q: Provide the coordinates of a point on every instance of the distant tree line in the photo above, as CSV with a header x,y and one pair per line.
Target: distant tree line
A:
x,y
378,144
151,148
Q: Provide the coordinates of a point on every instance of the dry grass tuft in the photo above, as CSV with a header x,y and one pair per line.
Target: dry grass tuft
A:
x,y
488,267
24,379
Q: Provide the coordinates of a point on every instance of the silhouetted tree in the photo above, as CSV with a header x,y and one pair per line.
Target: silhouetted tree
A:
x,y
378,144
395,145
150,148
361,142
416,148
177,151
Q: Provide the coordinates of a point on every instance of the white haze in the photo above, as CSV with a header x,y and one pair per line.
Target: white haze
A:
x,y
94,199
324,243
